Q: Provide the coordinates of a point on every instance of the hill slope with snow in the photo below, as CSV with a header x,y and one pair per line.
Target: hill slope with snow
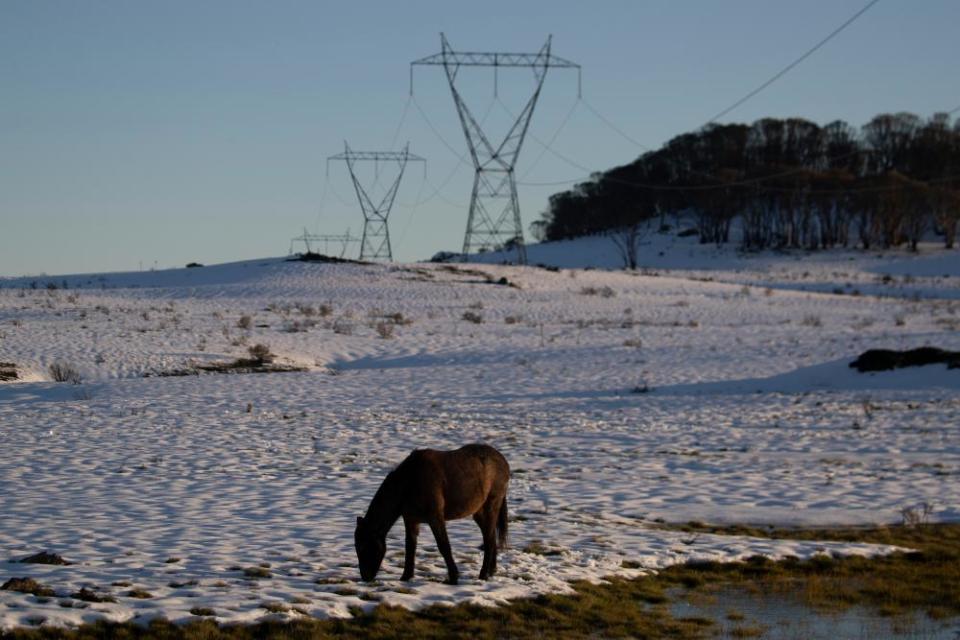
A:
x,y
717,390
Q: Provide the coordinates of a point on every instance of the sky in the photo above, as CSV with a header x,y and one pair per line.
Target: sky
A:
x,y
138,135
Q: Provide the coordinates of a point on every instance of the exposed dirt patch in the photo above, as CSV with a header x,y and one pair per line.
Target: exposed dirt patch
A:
x,y
8,372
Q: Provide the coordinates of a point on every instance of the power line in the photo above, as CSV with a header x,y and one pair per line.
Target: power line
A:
x,y
613,126
553,138
793,64
413,209
739,102
423,114
403,118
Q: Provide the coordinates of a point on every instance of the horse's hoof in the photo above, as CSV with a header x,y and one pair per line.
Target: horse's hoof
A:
x,y
406,578
453,580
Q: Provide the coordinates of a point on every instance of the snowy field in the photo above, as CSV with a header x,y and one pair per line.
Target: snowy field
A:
x,y
713,388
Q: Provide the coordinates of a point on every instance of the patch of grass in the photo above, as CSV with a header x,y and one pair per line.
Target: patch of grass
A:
x,y
88,595
140,594
538,548
257,573
747,632
202,611
603,292
183,585
925,580
275,607
27,585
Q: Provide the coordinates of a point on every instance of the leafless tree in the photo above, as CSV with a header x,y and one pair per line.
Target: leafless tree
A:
x,y
627,239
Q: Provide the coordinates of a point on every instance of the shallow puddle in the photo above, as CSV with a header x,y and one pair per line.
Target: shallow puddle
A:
x,y
739,614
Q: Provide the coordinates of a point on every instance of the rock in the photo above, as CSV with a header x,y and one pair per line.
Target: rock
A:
x,y
44,557
889,359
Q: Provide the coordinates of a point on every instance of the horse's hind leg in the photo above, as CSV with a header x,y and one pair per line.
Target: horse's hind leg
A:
x,y
439,529
412,529
488,528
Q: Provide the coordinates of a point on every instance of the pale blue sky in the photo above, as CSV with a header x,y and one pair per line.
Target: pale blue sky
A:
x,y
167,132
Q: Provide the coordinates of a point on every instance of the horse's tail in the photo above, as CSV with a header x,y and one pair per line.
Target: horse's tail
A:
x,y
502,524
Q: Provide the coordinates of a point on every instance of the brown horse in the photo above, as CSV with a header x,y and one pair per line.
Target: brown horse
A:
x,y
433,487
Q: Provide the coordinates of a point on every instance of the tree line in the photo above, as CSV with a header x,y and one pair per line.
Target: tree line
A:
x,y
791,182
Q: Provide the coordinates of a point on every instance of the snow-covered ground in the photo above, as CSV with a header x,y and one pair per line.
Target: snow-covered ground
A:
x,y
748,413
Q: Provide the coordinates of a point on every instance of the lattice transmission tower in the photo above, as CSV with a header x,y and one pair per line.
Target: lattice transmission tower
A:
x,y
494,217
375,243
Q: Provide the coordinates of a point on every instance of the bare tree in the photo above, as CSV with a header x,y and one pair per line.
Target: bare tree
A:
x,y
945,205
627,239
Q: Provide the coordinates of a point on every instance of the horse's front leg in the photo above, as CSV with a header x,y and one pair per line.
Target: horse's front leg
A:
x,y
439,529
412,529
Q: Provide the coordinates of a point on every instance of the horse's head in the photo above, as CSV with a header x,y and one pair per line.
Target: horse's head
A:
x,y
370,549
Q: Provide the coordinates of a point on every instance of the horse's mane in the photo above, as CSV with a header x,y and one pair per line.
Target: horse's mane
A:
x,y
385,507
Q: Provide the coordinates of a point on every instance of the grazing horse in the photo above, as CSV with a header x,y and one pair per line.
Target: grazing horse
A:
x,y
433,487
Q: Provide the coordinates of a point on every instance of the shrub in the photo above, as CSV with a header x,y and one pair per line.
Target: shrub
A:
x,y
385,330
245,322
63,372
473,317
261,353
604,292
397,318
343,327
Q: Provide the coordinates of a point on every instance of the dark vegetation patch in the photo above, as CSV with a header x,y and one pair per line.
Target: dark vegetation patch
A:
x,y
889,359
27,585
44,557
926,580
311,256
540,549
89,595
8,372
261,360
484,277
257,573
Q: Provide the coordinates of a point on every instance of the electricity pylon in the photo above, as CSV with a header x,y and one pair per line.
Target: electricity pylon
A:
x,y
494,217
375,244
